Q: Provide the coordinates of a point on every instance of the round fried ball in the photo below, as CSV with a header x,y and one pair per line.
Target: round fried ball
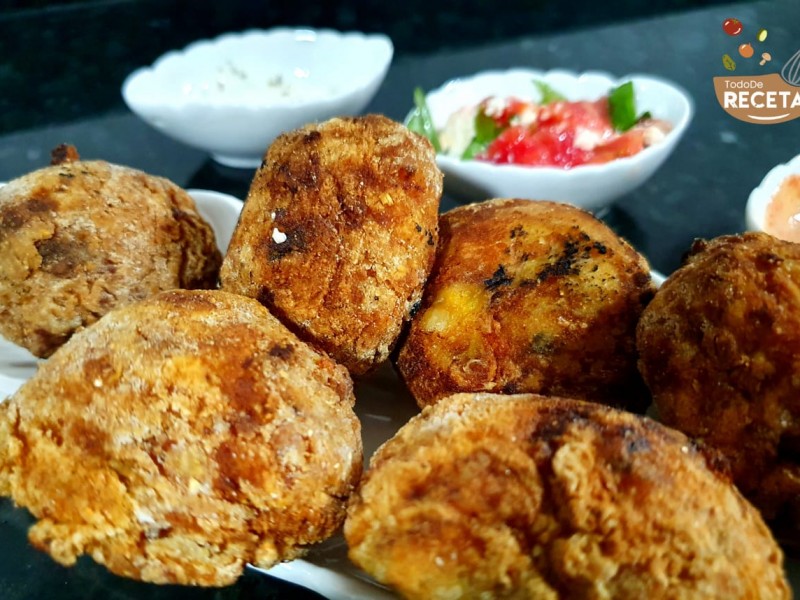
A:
x,y
338,234
80,238
528,297
522,496
180,438
720,351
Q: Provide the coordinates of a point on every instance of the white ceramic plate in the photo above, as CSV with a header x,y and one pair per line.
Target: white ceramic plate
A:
x,y
383,406
587,186
760,197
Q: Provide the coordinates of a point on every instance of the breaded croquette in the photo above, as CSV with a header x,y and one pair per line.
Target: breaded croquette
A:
x,y
80,238
179,438
522,496
720,350
528,297
338,234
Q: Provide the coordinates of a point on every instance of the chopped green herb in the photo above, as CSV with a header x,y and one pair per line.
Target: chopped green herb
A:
x,y
548,94
474,148
486,131
420,120
728,62
622,107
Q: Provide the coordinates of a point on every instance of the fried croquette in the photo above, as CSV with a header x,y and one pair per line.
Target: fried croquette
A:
x,y
338,234
80,238
523,496
179,438
719,350
528,296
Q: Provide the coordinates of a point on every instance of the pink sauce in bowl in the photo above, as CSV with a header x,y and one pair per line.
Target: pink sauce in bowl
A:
x,y
782,218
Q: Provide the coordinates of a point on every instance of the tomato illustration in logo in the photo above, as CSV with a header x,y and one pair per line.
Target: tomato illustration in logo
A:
x,y
732,26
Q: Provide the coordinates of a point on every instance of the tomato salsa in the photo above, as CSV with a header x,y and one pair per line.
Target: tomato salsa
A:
x,y
553,132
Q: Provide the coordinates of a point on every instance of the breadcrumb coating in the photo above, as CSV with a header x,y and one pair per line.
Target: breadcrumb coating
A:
x,y
180,438
338,234
522,496
80,238
719,349
529,296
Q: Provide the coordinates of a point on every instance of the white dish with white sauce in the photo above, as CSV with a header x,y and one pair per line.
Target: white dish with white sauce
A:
x,y
234,94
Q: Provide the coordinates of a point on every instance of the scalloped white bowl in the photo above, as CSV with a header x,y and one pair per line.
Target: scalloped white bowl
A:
x,y
760,197
232,95
589,186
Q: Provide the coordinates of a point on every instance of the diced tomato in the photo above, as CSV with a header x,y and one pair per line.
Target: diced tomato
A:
x,y
550,141
542,147
511,109
627,144
572,115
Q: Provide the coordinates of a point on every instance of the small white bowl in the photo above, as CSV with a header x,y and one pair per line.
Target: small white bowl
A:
x,y
760,197
221,211
232,95
587,186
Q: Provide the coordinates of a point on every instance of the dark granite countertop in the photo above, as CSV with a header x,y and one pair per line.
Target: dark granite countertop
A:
x,y
700,192
61,60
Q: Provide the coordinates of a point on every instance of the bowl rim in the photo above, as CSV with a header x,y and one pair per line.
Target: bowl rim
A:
x,y
684,100
758,200
309,34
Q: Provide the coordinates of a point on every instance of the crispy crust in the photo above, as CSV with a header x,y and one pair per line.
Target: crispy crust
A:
x,y
338,234
181,437
528,297
78,239
719,350
530,497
